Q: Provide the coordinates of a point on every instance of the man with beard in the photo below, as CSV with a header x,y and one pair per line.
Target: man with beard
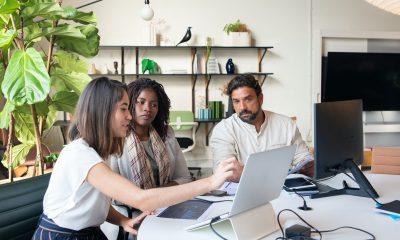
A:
x,y
252,129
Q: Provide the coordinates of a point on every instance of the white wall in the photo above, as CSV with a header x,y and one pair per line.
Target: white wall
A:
x,y
291,26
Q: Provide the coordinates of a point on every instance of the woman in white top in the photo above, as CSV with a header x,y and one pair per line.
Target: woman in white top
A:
x,y
82,185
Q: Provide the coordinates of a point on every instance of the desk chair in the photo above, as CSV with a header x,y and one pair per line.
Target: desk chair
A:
x,y
184,126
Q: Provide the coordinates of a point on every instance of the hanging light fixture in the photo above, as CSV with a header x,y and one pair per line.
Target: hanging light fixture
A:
x,y
147,13
392,6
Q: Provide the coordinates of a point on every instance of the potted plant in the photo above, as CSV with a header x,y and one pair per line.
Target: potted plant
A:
x,y
50,160
37,79
237,34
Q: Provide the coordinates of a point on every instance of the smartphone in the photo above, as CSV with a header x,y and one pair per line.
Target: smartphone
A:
x,y
216,193
299,183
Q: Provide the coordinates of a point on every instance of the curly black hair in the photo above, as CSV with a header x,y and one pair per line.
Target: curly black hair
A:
x,y
244,80
160,122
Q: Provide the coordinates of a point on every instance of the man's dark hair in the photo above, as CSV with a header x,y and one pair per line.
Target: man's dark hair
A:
x,y
93,116
160,122
244,80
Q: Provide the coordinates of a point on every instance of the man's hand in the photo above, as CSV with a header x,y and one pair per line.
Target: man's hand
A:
x,y
237,171
308,169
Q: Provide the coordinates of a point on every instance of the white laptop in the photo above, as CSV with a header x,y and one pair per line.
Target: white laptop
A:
x,y
261,181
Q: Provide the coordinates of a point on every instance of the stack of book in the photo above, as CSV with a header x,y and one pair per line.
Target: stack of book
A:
x,y
217,111
204,113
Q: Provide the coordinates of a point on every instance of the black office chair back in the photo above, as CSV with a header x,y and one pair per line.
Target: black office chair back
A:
x,y
21,204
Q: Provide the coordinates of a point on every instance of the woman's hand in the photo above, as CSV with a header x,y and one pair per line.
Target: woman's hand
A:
x,y
131,225
223,172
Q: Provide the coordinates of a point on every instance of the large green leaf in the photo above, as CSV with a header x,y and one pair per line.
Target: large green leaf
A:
x,y
6,38
51,118
18,154
65,101
5,114
8,6
49,10
61,30
26,79
32,33
81,17
71,80
70,62
24,127
88,47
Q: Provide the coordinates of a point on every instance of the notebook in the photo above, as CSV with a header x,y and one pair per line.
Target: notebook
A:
x,y
261,181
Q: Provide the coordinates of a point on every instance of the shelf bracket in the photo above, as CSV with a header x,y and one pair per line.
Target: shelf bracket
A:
x,y
137,61
261,54
208,80
194,80
263,80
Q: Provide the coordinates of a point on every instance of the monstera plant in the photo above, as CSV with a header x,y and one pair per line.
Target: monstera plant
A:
x,y
41,69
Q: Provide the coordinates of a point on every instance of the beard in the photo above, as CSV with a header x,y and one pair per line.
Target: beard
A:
x,y
251,116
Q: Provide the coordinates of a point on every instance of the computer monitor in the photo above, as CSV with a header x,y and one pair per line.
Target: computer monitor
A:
x,y
339,146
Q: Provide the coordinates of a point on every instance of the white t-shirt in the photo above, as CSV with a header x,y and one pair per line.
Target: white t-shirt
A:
x,y
70,200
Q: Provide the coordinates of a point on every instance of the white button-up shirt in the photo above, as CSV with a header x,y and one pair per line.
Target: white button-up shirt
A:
x,y
234,138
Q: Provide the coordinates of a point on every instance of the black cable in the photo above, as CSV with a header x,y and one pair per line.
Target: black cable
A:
x,y
290,210
87,4
213,220
304,207
361,230
322,179
316,230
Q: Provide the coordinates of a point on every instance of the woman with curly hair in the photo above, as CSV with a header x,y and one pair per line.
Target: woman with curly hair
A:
x,y
151,156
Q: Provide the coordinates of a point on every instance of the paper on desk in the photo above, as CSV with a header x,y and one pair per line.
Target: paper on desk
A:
x,y
301,165
229,187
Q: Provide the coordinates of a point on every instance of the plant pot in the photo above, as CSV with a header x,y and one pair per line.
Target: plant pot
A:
x,y
48,165
241,39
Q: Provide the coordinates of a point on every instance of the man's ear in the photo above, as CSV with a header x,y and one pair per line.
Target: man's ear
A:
x,y
261,99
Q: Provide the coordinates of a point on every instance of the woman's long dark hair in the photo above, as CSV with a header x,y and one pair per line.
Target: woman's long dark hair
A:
x,y
160,122
93,115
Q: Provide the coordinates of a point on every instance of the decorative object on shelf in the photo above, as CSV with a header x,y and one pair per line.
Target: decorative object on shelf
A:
x,y
230,67
104,69
147,12
209,42
187,36
92,69
392,6
149,34
212,66
165,41
237,34
151,66
115,67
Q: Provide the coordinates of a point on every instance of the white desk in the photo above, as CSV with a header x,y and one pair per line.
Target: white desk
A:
x,y
328,213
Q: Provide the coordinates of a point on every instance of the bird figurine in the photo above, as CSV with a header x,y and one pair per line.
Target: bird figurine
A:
x,y
187,36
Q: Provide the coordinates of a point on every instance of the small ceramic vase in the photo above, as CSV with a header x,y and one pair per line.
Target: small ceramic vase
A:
x,y
230,67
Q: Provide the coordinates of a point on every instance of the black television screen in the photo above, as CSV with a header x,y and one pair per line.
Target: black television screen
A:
x,y
372,77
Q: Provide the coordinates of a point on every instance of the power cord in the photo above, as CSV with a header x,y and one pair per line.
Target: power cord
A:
x,y
304,207
315,230
281,228
354,228
213,220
